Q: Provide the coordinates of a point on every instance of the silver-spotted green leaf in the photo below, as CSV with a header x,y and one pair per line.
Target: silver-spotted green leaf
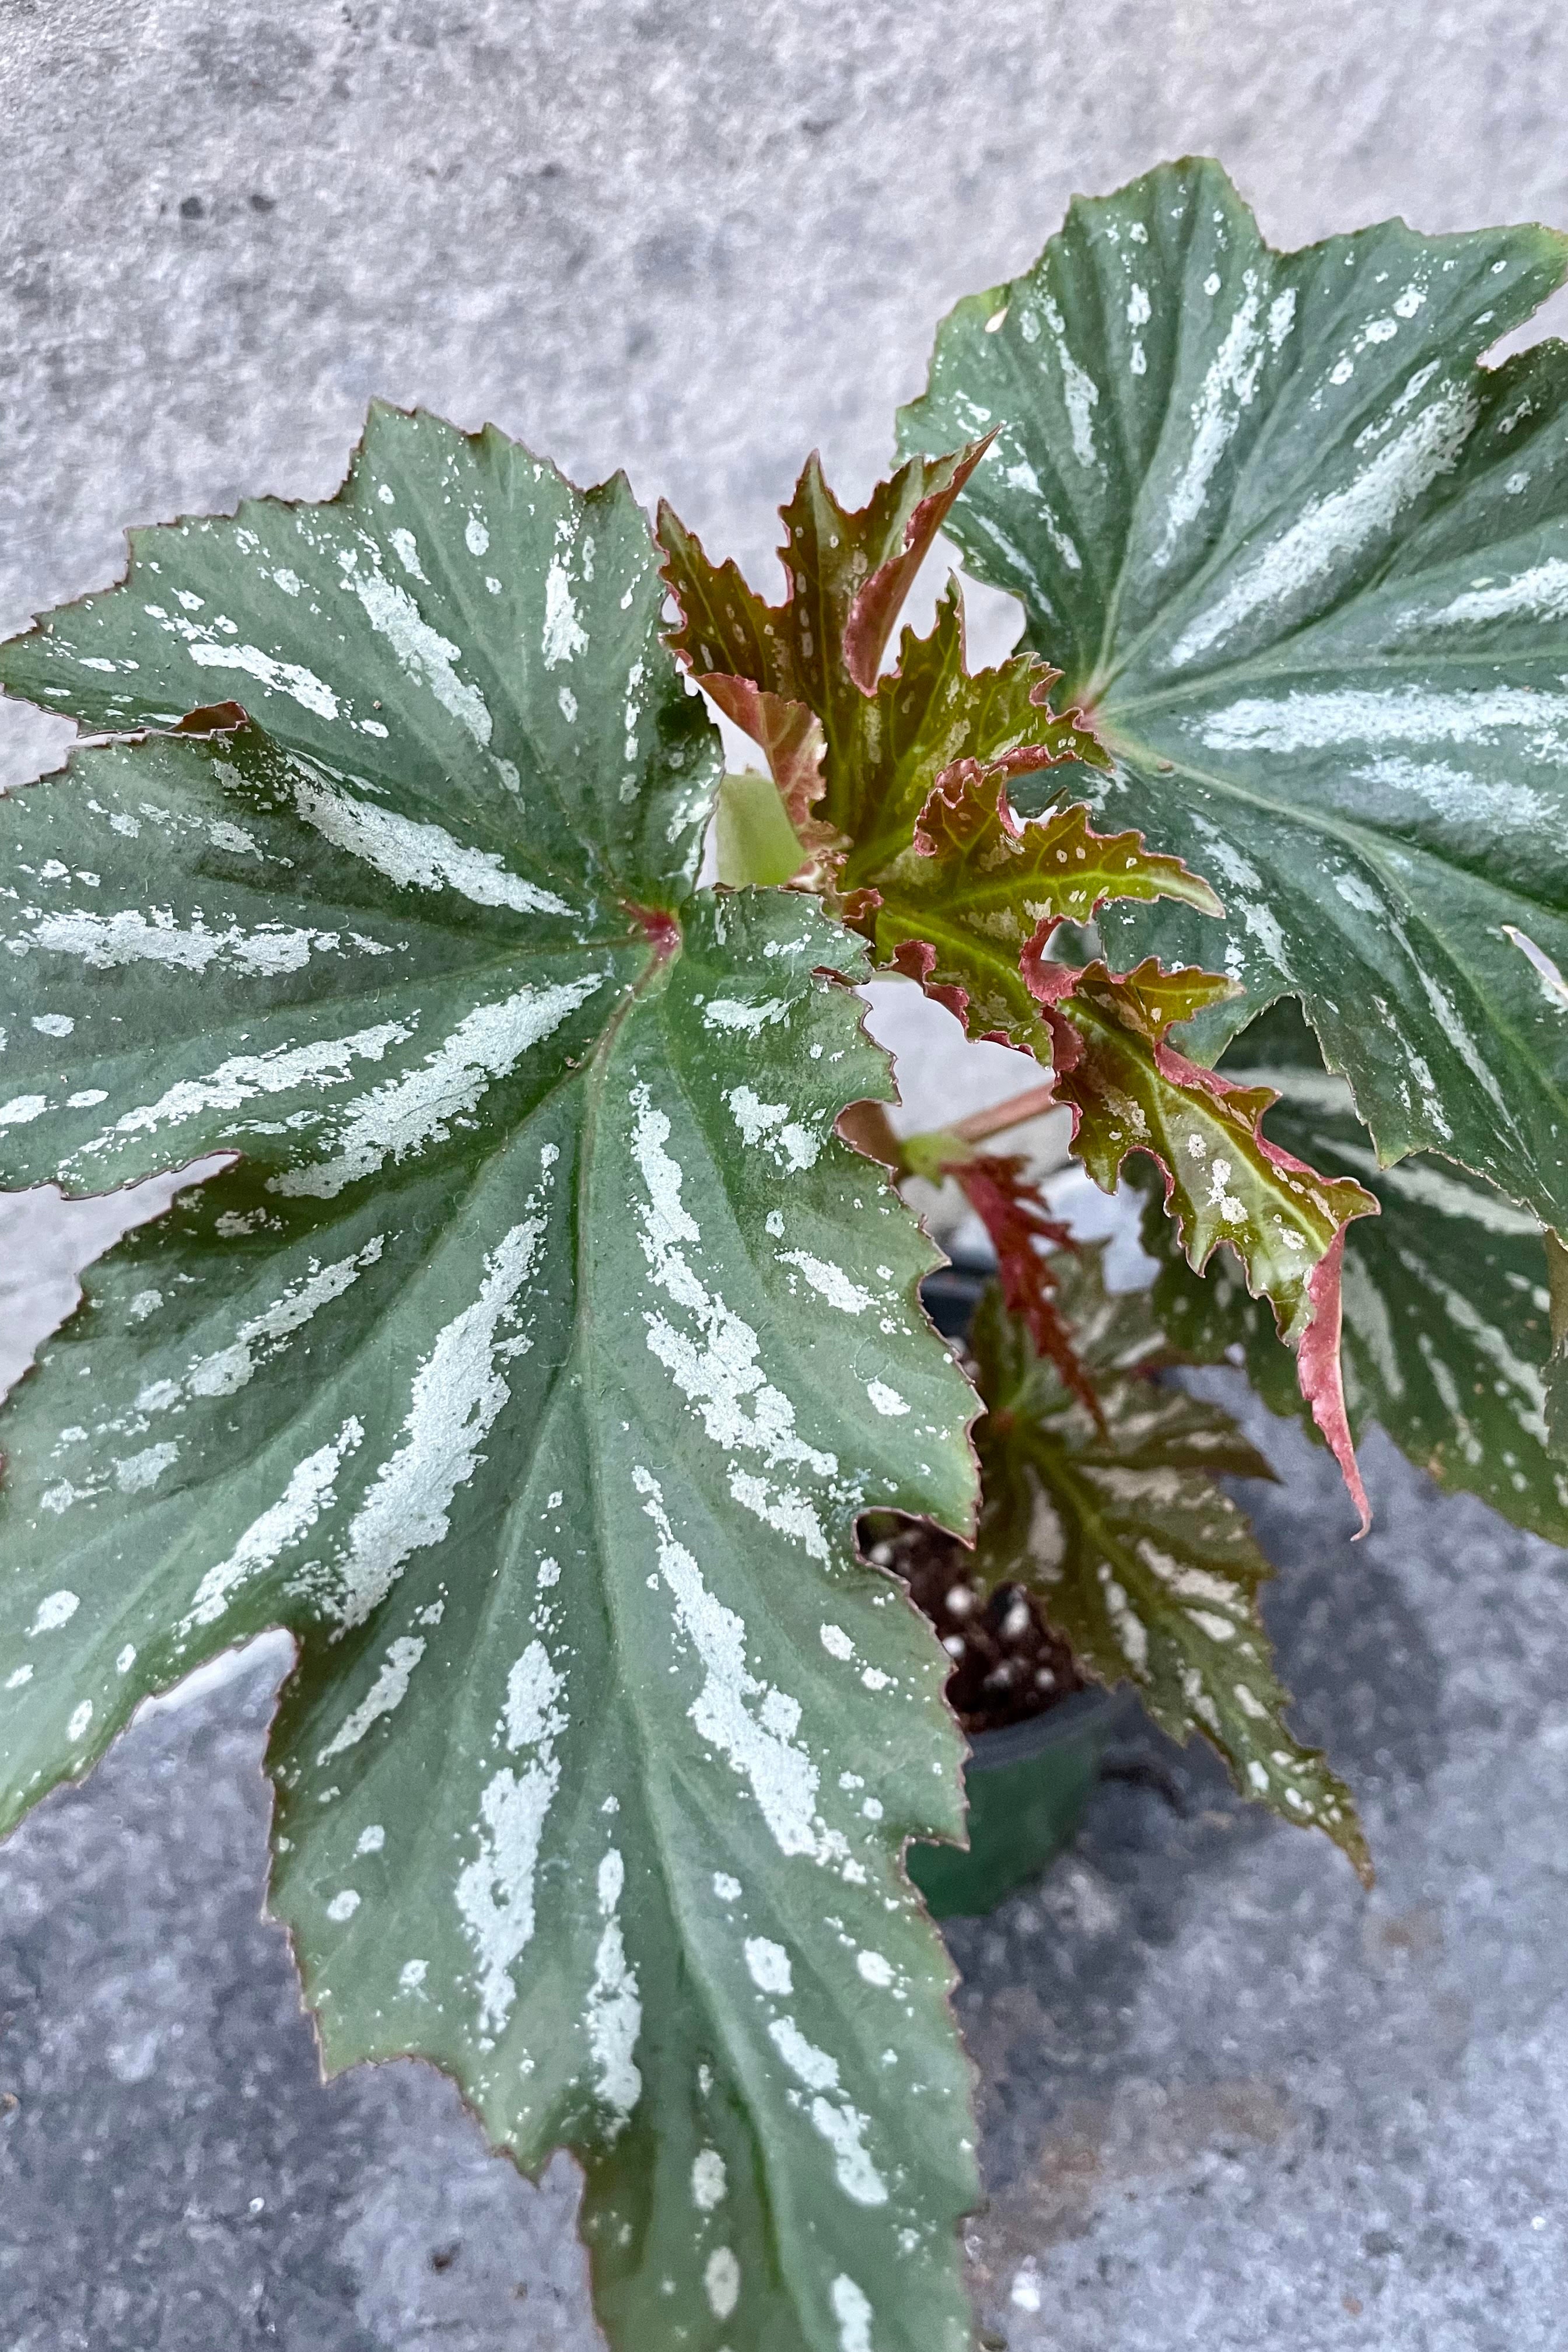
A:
x,y
1445,1337
531,1367
1301,560
1139,1559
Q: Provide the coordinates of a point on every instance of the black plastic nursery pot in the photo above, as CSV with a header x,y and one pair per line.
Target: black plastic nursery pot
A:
x,y
1028,1785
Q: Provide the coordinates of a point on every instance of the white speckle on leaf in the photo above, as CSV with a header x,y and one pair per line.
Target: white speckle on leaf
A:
x,y
140,1471
710,2180
781,1775
718,1369
22,1110
385,1694
888,1402
1539,593
408,1113
728,1013
1132,1635
228,1370
55,1609
53,1024
370,1839
457,1394
876,1969
343,1906
302,685
412,1974
495,1891
615,2009
767,1964
76,1728
789,1143
1306,720
424,655
244,1076
564,638
311,1488
726,1889
835,1642
830,1281
1081,393
853,2313
103,941
721,2282
842,2125
1228,387
417,855
1336,529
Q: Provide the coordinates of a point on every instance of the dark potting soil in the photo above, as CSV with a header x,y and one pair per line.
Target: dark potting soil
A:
x,y
1007,1663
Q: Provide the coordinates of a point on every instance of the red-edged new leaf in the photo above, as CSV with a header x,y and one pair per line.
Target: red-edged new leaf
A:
x,y
886,740
1130,1090
851,571
1017,1216
975,890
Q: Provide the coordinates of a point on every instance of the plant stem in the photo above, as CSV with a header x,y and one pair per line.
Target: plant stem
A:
x,y
1030,1104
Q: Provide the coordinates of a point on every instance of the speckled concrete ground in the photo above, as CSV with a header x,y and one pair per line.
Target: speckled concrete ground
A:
x,y
1229,2100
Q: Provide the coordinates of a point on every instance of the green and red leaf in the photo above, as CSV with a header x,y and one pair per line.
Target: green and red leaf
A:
x,y
1224,1181
1139,1559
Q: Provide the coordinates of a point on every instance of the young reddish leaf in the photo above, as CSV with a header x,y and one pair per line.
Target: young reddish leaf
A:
x,y
1017,1216
846,573
1130,1090
927,718
1146,1568
885,742
977,889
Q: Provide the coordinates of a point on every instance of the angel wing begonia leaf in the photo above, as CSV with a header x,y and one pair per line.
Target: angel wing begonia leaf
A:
x,y
1222,1178
1139,1559
1447,1329
961,906
1301,561
507,1368
886,742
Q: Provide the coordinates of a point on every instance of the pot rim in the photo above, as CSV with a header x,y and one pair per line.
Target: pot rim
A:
x,y
1093,1709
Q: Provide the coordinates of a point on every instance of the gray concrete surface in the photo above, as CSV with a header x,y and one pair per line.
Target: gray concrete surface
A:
x,y
1228,2100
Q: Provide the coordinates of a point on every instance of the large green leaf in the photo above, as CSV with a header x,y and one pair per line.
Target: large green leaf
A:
x,y
531,1367
1141,1560
1447,1329
1301,561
